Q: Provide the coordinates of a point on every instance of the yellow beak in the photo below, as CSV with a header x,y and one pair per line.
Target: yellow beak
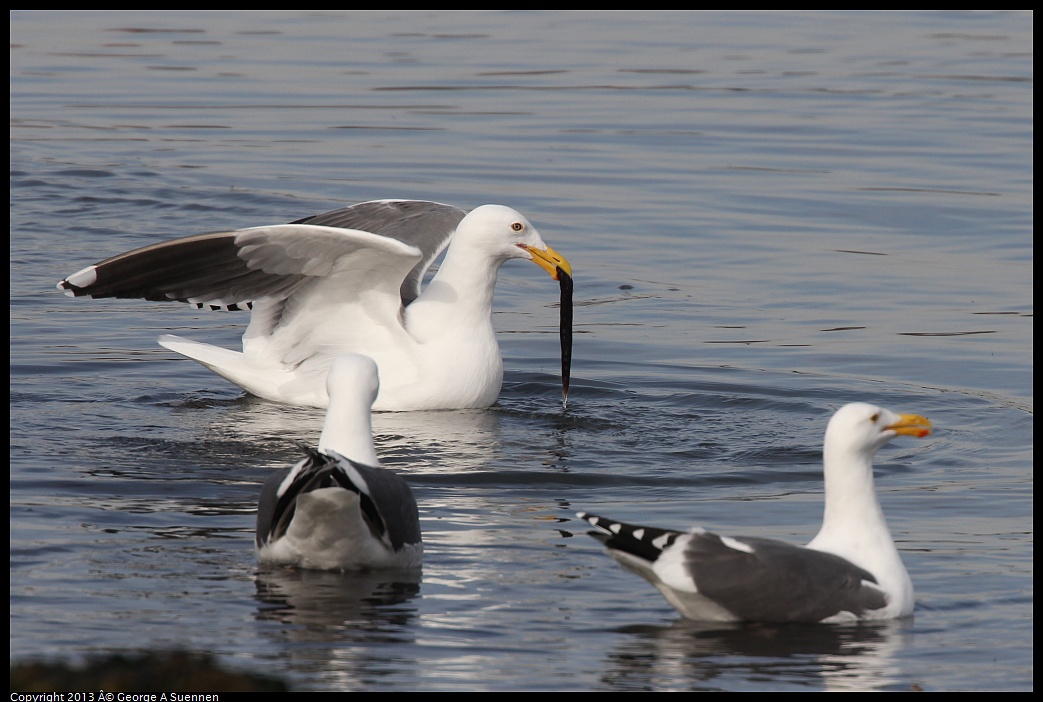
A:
x,y
912,425
549,260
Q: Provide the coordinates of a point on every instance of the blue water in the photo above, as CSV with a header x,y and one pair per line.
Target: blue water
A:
x,y
768,215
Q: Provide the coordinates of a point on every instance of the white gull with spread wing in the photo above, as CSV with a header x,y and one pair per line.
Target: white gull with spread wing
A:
x,y
344,281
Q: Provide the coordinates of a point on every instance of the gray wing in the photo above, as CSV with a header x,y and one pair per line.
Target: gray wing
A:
x,y
763,580
773,581
387,500
231,270
275,511
157,272
387,503
426,225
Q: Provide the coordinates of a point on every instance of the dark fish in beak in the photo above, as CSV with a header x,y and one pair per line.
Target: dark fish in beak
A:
x,y
565,312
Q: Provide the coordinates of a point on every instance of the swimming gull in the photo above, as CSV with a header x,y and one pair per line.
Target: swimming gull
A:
x,y
338,509
850,571
345,281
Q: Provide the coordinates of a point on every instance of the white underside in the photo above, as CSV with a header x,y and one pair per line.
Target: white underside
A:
x,y
448,374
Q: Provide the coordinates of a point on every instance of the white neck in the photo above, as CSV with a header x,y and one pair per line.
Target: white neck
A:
x,y
854,527
850,490
348,429
459,297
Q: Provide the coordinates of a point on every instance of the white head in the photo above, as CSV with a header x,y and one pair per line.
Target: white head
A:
x,y
352,384
863,428
504,233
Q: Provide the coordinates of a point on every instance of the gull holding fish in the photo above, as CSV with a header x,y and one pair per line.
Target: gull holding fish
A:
x,y
349,280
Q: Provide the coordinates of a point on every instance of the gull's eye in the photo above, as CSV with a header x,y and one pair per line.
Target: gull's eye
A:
x,y
517,226
875,417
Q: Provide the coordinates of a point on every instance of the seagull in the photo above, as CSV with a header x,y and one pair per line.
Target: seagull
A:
x,y
338,509
344,281
850,571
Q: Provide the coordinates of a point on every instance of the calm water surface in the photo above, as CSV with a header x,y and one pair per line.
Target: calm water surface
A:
x,y
769,215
